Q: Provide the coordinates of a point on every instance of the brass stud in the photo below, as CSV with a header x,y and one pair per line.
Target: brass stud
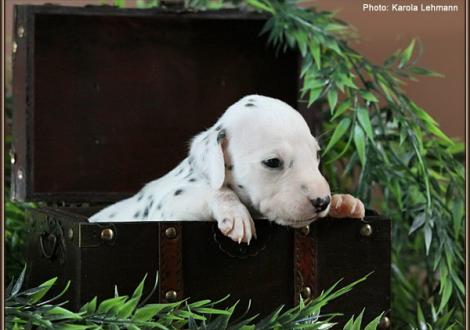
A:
x,y
170,232
70,234
171,296
107,234
14,47
305,230
306,292
366,230
19,174
384,323
21,31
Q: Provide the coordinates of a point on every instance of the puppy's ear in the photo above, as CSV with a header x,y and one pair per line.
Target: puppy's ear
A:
x,y
207,155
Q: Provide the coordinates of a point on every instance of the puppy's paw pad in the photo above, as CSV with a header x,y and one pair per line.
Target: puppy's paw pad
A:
x,y
346,206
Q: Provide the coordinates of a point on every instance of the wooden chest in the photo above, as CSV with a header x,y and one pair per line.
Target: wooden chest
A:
x,y
105,100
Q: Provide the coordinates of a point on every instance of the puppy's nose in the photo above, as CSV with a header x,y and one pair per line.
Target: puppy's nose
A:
x,y
320,204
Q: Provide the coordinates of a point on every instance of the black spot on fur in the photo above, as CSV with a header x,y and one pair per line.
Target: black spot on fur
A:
x,y
221,136
159,206
137,214
218,128
192,180
150,204
240,186
146,212
190,160
140,196
249,105
291,164
229,167
180,171
112,215
178,192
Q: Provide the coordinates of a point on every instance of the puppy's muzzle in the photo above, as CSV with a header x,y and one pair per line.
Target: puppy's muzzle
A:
x,y
320,204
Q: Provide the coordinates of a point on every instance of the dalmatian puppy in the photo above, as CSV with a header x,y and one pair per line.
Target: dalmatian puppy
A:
x,y
259,158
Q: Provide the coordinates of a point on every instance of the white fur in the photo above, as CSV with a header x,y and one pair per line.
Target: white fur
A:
x,y
256,128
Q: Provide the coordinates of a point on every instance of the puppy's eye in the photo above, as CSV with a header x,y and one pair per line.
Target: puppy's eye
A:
x,y
272,163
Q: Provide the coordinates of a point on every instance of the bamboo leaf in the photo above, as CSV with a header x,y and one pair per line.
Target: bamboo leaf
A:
x,y
346,105
374,323
332,99
338,133
19,283
360,142
315,52
446,294
45,288
406,55
425,72
427,237
364,120
368,96
418,222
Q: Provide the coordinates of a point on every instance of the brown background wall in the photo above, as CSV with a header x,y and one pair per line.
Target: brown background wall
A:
x,y
442,36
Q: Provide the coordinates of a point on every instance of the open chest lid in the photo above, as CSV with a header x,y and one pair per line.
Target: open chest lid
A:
x,y
106,99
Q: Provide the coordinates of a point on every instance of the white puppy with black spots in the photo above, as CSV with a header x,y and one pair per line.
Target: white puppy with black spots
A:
x,y
259,158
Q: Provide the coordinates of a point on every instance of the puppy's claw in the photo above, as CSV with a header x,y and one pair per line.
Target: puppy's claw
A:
x,y
346,206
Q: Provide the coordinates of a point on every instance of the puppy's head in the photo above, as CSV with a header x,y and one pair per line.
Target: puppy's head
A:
x,y
264,150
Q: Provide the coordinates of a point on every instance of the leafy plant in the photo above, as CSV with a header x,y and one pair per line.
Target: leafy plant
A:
x,y
28,308
378,135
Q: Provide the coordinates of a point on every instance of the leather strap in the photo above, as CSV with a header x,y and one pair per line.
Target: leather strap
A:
x,y
171,266
305,265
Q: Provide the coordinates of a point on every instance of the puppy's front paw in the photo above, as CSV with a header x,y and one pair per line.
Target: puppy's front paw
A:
x,y
346,206
238,225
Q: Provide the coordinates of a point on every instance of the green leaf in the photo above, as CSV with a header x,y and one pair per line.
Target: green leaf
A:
x,y
19,283
364,120
332,99
315,52
446,294
425,72
406,55
147,312
421,320
106,305
40,294
346,105
126,310
417,222
360,142
64,313
314,94
357,322
71,326
374,323
120,3
427,237
140,288
89,307
338,133
368,96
